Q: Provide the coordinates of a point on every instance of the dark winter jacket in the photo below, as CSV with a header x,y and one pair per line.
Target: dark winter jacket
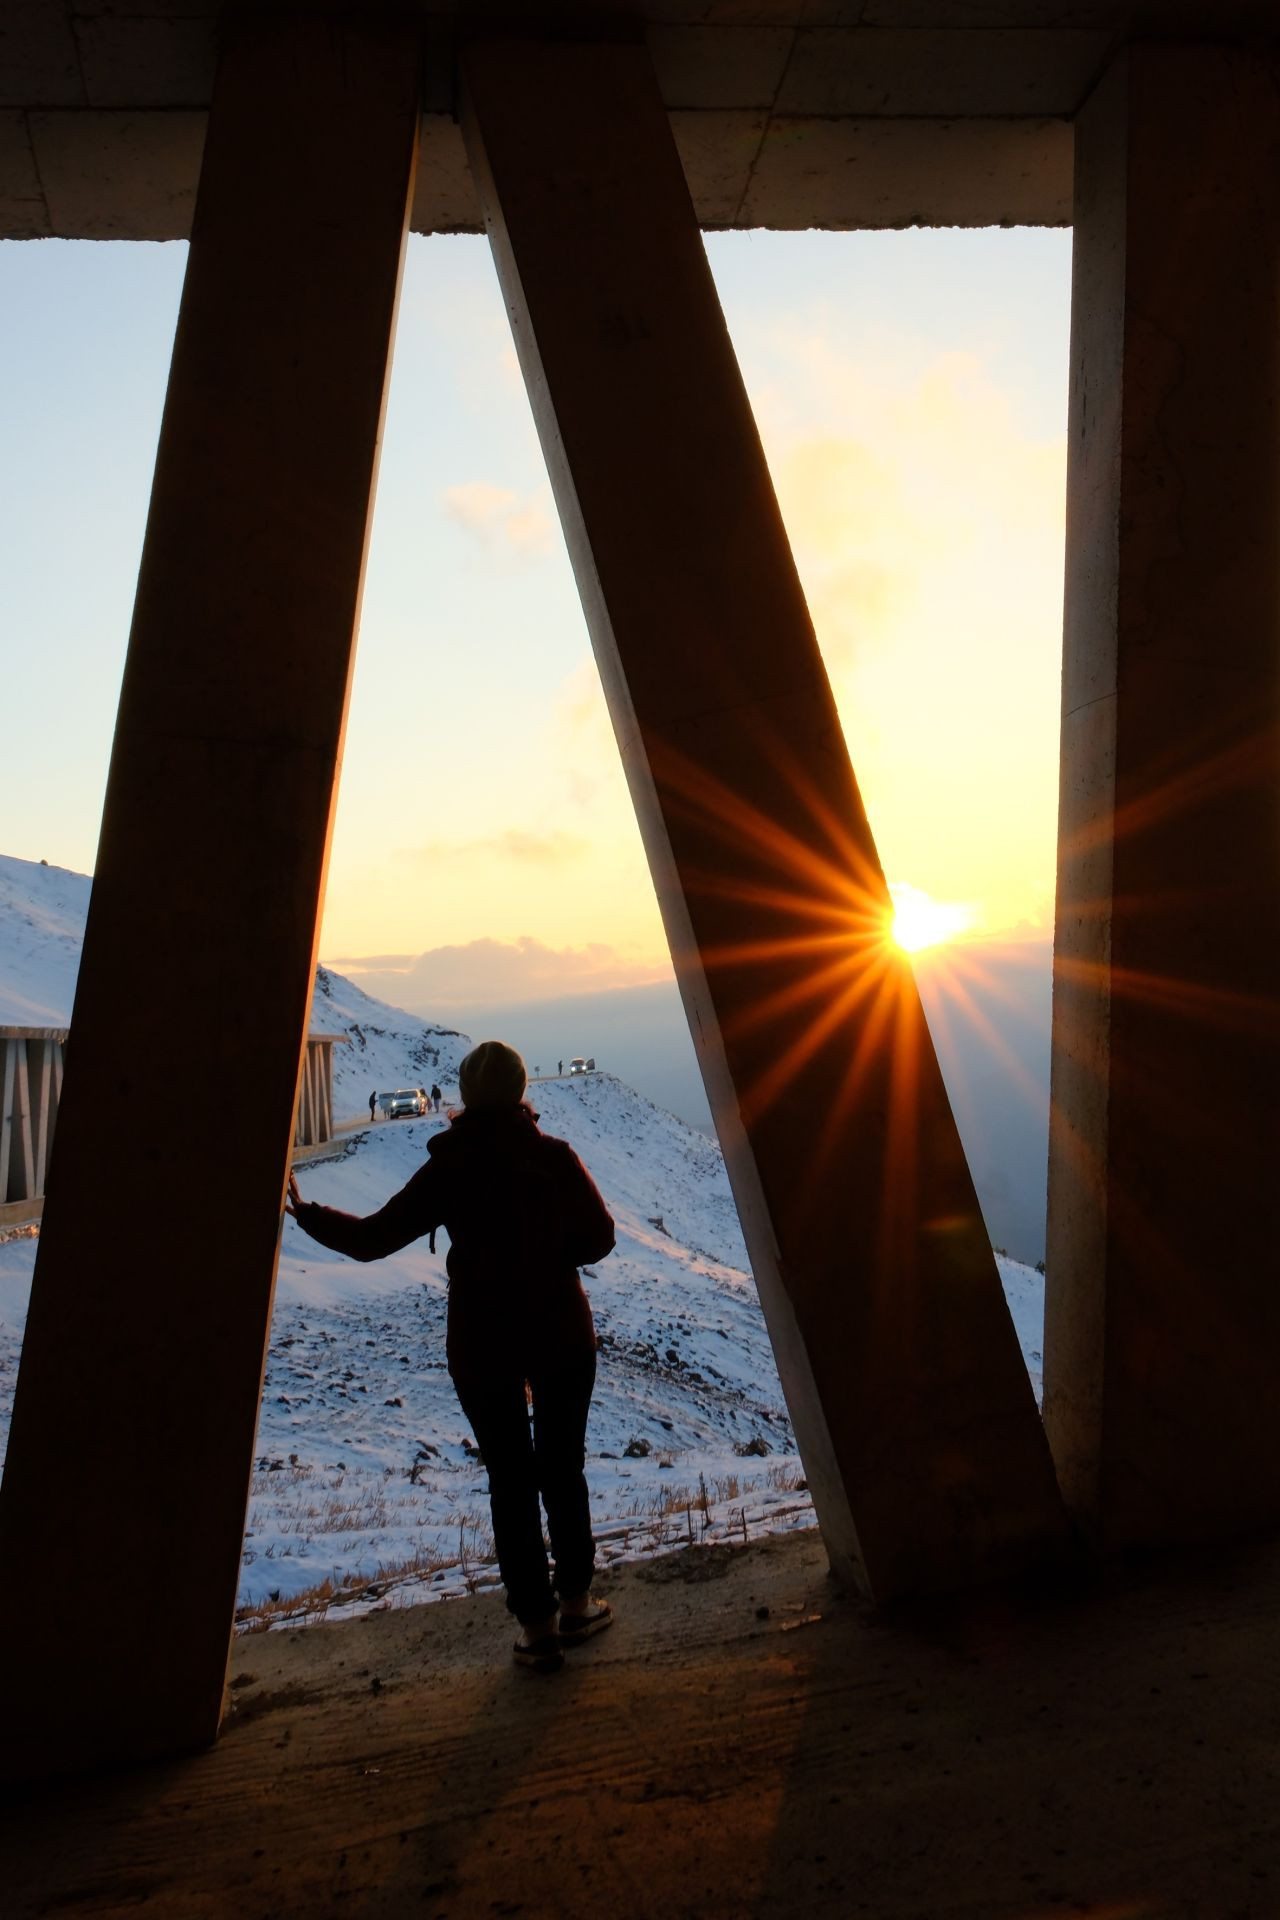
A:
x,y
522,1214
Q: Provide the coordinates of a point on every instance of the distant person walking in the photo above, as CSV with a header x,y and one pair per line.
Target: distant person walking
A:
x,y
436,1097
560,1069
373,1104
522,1214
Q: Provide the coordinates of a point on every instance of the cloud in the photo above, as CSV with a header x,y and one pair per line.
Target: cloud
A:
x,y
586,752
499,517
921,491
927,521
377,962
522,844
541,849
481,971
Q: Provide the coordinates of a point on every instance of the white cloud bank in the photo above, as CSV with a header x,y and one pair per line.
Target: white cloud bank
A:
x,y
446,978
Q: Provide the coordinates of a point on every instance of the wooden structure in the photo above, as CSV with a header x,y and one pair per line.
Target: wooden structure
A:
x,y
31,1064
592,154
31,1068
314,1122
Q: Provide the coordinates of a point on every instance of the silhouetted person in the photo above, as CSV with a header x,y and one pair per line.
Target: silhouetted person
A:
x,y
436,1097
560,1068
522,1214
373,1104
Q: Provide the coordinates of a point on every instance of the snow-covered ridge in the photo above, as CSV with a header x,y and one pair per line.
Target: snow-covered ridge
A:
x,y
42,919
364,1459
366,1475
42,915
364,1462
385,1047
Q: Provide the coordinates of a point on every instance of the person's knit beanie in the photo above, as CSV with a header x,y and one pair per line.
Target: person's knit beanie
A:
x,y
492,1075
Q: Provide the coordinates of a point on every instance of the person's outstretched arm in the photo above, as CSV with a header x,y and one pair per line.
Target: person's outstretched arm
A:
x,y
407,1216
589,1232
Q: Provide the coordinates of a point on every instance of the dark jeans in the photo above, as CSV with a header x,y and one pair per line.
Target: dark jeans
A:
x,y
526,1458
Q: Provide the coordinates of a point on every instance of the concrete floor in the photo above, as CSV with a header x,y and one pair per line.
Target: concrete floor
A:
x,y
1113,1753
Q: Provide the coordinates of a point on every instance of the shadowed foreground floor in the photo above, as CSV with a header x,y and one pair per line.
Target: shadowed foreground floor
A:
x,y
1114,1754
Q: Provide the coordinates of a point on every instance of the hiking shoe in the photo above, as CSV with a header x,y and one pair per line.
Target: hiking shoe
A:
x,y
540,1656
577,1627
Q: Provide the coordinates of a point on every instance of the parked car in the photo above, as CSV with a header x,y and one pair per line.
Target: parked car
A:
x,y
405,1100
579,1065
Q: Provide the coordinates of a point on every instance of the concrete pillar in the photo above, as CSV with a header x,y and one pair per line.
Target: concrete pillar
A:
x,y
1163,1322
149,1315
910,1399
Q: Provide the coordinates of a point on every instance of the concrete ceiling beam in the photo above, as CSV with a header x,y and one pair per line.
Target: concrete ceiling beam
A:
x,y
930,74
131,60
1129,16
711,69
97,175
845,174
118,176
39,61
889,115
24,211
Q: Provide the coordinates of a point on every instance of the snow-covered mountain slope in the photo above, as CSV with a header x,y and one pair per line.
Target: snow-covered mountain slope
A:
x,y
366,1475
42,914
385,1048
364,1462
42,918
357,1398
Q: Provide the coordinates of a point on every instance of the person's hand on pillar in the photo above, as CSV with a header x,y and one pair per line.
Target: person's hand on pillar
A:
x,y
295,1199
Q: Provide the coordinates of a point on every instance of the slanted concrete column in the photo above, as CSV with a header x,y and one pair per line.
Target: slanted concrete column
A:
x,y
129,1460
910,1399
1163,1324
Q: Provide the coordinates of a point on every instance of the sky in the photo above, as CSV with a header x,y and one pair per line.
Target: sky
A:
x,y
911,395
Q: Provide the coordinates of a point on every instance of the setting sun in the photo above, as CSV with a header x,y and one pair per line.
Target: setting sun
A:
x,y
920,921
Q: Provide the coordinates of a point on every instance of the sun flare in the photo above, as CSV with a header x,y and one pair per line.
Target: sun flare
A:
x,y
919,921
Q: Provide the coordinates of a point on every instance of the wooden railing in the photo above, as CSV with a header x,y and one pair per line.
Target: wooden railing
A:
x,y
31,1065
31,1062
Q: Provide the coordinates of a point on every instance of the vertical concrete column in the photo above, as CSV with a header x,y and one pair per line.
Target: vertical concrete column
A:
x,y
910,1399
1163,1320
146,1337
